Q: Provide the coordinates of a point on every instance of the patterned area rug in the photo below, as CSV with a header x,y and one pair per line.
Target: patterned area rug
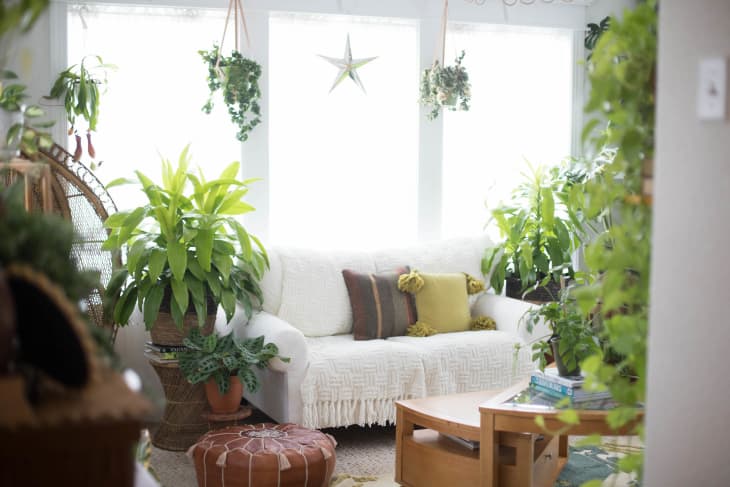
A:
x,y
584,464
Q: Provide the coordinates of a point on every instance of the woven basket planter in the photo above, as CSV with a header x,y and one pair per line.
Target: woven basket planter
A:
x,y
165,332
543,294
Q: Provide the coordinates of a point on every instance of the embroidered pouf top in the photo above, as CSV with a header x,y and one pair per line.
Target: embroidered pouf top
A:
x,y
264,455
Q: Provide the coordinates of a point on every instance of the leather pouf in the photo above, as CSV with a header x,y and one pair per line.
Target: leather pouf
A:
x,y
264,455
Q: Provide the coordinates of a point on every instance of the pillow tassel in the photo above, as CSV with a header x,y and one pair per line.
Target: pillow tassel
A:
x,y
482,323
410,283
420,329
473,285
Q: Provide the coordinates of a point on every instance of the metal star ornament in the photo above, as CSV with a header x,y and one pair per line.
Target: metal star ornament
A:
x,y
348,66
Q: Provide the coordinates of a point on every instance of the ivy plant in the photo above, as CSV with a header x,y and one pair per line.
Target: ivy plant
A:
x,y
187,240
445,86
238,79
621,73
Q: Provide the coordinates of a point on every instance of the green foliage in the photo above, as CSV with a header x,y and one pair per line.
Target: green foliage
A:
x,y
593,33
221,357
24,133
20,15
622,93
79,87
186,241
43,242
567,322
446,86
238,79
542,225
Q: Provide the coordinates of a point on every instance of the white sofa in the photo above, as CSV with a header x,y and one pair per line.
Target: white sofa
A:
x,y
334,380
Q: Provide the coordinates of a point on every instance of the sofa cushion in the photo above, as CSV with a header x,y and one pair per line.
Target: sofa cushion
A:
x,y
358,382
442,303
379,309
470,360
313,295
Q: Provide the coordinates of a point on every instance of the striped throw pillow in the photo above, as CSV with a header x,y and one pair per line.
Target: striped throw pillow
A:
x,y
379,309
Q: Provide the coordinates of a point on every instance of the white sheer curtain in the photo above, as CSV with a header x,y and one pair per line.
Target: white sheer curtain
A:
x,y
153,103
521,110
344,165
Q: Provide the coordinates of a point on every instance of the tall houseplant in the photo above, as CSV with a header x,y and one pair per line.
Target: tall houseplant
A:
x,y
225,364
541,227
186,249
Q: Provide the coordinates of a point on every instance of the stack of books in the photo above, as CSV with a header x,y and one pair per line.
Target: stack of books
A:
x,y
163,353
553,385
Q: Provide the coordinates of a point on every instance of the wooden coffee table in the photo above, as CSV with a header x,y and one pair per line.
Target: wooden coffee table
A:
x,y
502,415
426,457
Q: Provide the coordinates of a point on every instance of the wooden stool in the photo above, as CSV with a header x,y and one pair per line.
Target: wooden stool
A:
x,y
264,455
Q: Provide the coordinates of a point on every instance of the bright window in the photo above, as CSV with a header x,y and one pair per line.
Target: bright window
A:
x,y
521,110
343,164
153,103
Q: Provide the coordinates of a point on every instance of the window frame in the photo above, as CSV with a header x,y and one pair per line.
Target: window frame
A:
x,y
255,152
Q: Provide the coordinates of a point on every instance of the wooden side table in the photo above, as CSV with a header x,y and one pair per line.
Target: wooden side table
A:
x,y
500,416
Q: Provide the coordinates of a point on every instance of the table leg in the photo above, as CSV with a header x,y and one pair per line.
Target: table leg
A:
x,y
563,446
488,452
403,429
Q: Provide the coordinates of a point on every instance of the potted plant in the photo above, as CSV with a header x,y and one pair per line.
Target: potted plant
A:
x,y
542,226
79,87
572,335
187,253
15,133
225,364
445,86
238,79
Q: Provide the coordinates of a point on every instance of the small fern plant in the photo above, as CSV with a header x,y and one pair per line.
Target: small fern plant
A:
x,y
220,357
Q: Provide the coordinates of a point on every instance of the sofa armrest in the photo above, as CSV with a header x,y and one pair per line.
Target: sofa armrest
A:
x,y
508,313
290,341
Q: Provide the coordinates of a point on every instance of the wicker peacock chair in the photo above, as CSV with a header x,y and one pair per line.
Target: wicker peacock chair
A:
x,y
80,197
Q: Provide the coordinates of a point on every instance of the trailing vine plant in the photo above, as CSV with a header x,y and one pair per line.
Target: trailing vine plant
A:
x,y
238,79
621,73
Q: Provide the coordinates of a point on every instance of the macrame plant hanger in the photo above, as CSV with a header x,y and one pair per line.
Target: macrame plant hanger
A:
x,y
237,8
438,55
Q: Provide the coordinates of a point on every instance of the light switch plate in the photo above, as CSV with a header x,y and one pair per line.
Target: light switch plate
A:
x,y
712,89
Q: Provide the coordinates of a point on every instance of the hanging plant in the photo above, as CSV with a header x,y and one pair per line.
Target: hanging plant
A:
x,y
78,86
445,86
238,79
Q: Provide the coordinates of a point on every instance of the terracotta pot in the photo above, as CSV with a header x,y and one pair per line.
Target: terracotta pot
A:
x,y
224,403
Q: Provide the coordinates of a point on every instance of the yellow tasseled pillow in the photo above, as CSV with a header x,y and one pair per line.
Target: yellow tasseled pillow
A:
x,y
442,302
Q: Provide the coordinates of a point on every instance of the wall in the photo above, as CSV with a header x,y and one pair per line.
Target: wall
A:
x,y
688,422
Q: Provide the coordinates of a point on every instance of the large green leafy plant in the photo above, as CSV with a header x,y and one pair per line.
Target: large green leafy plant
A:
x,y
219,358
186,239
541,226
238,79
